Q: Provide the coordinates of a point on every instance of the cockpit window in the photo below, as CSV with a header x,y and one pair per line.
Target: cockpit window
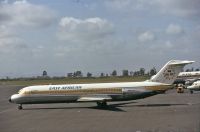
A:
x,y
19,91
22,91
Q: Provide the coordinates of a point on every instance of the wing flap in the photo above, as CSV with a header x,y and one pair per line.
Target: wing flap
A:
x,y
93,99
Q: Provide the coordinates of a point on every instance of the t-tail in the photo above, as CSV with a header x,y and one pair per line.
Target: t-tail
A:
x,y
170,71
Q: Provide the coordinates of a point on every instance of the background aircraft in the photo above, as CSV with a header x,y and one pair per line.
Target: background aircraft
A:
x,y
189,75
194,87
188,78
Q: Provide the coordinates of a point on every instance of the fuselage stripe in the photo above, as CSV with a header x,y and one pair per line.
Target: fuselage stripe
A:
x,y
77,92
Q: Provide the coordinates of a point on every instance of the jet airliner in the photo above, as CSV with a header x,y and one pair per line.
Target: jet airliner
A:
x,y
188,77
101,93
194,87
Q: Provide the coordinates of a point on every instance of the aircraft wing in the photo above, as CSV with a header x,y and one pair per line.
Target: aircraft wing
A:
x,y
94,98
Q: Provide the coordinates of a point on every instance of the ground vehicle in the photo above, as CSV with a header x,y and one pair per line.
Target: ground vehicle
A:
x,y
180,88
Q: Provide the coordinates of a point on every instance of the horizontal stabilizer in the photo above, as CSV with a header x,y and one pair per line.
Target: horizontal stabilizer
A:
x,y
179,62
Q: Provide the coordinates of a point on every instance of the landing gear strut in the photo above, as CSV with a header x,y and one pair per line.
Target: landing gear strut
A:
x,y
102,104
20,107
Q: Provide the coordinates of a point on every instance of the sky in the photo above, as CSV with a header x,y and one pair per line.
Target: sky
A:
x,y
96,36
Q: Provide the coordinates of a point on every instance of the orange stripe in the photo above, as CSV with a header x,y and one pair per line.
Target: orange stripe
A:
x,y
160,87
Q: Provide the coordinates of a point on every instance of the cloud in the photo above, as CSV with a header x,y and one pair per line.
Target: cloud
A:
x,y
174,29
86,30
168,44
146,36
118,4
23,13
182,8
127,5
14,16
4,31
9,42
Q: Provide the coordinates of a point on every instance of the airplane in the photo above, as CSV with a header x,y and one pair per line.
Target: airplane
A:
x,y
188,78
194,87
101,93
189,75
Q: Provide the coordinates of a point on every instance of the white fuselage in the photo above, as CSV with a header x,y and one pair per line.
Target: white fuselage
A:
x,y
75,92
195,86
189,75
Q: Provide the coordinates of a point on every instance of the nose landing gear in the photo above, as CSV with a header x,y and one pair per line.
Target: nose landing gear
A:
x,y
20,107
191,91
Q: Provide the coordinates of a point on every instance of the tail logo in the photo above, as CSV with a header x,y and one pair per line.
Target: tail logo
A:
x,y
169,74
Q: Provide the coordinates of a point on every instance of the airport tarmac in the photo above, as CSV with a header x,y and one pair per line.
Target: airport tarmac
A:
x,y
170,112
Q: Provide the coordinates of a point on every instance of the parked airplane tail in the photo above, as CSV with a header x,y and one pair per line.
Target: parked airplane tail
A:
x,y
170,71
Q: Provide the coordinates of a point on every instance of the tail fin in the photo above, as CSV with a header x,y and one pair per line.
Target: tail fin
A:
x,y
170,71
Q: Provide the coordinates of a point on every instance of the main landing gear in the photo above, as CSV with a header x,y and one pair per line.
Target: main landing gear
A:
x,y
20,107
102,104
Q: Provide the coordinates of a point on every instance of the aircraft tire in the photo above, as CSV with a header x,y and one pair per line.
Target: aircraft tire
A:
x,y
20,107
191,91
102,104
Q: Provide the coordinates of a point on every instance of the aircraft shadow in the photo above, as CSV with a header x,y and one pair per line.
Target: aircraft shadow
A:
x,y
153,105
108,108
116,107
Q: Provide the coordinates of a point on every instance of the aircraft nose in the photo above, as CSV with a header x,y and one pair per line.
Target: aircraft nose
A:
x,y
14,98
190,87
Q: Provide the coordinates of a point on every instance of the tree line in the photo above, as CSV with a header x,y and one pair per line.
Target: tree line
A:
x,y
79,73
125,73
